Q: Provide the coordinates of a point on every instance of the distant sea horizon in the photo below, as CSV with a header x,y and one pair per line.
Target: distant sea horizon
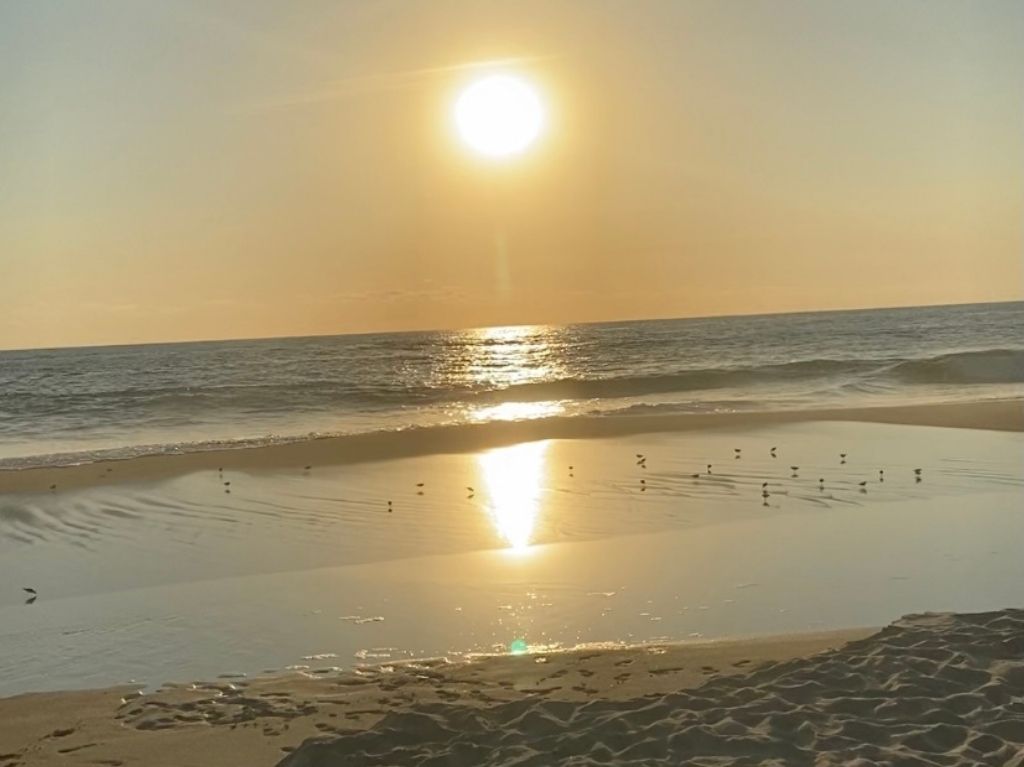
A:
x,y
458,328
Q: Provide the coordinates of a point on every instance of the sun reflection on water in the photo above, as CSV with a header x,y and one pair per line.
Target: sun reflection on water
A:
x,y
517,411
514,355
508,357
513,477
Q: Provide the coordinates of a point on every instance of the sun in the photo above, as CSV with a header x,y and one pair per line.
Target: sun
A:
x,y
499,115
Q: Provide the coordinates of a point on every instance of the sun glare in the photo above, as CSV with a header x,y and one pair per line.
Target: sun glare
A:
x,y
499,115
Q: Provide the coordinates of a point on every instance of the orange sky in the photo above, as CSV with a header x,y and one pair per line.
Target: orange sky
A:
x,y
178,171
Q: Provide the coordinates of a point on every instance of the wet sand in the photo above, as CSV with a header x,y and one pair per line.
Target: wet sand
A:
x,y
178,579
1000,415
157,570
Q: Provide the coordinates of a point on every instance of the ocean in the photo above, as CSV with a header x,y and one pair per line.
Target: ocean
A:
x,y
76,405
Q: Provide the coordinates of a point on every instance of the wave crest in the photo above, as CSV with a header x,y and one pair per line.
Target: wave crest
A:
x,y
992,366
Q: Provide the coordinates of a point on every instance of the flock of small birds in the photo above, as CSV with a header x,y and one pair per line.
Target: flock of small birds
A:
x,y
641,461
773,452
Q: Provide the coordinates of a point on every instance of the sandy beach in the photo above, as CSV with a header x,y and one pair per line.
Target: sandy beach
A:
x,y
258,721
566,548
939,689
526,384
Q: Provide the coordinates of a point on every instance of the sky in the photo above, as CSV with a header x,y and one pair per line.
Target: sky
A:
x,y
192,169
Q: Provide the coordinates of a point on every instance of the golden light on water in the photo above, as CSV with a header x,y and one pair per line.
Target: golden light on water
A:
x,y
499,115
517,411
515,354
508,357
513,478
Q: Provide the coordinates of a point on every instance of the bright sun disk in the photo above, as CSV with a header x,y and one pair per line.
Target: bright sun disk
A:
x,y
499,115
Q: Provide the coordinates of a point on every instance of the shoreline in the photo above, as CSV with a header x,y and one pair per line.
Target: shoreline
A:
x,y
996,415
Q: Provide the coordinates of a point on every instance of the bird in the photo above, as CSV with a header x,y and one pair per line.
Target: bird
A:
x,y
28,589
53,487
738,451
917,471
570,468
821,483
842,458
639,455
772,451
863,484
709,468
307,468
227,484
795,469
220,469
695,476
764,485
389,507
420,484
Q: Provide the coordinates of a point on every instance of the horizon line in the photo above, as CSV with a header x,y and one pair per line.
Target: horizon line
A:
x,y
466,329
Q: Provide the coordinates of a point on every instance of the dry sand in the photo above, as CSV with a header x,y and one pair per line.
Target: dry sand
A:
x,y
933,689
928,690
258,721
1001,415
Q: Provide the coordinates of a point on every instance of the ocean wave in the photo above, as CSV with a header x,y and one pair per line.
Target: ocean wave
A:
x,y
1000,366
297,394
460,437
682,381
126,452
988,366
